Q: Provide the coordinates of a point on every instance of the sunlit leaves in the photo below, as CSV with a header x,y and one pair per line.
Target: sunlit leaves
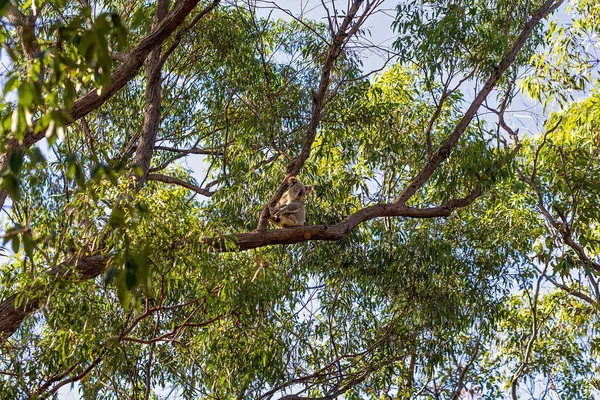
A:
x,y
566,67
395,304
468,36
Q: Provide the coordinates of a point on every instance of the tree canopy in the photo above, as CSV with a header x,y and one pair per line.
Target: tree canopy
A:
x,y
451,250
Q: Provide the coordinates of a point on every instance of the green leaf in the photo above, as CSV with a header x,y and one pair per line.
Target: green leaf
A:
x,y
69,94
26,94
36,156
16,162
12,186
28,244
3,6
16,243
117,217
110,274
139,17
138,171
123,293
11,83
131,279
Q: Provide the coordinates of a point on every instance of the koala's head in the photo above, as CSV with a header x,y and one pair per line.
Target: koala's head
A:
x,y
296,190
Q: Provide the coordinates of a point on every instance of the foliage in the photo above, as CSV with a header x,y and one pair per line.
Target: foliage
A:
x,y
483,283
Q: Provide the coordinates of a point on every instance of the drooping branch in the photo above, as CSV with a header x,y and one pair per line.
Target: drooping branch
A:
x,y
444,151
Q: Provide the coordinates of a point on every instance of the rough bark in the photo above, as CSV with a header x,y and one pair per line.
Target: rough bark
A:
x,y
145,149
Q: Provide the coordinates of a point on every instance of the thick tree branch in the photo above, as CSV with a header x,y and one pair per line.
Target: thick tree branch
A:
x,y
25,26
252,240
444,151
134,61
90,267
11,316
143,153
117,55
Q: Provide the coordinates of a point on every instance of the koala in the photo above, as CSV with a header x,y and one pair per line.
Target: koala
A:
x,y
289,211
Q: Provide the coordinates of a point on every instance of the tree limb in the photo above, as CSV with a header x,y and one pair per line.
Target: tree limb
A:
x,y
143,153
252,240
126,71
25,26
75,378
341,37
11,316
180,182
207,151
90,267
444,151
134,61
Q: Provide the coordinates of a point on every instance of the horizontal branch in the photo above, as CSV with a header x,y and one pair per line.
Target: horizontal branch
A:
x,y
180,182
90,267
207,151
252,240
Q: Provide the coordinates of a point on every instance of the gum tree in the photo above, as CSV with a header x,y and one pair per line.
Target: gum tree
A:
x,y
446,253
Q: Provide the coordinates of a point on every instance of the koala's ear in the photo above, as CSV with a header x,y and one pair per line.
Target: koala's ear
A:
x,y
309,189
292,179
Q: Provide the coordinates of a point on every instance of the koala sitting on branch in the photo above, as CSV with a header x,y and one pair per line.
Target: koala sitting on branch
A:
x,y
289,211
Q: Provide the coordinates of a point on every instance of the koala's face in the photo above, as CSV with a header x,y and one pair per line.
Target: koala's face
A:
x,y
297,191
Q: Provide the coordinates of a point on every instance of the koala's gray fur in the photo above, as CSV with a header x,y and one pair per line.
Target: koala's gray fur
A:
x,y
289,211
